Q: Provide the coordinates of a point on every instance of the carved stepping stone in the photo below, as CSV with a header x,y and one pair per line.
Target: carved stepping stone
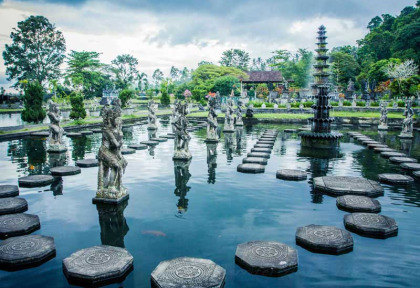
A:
x,y
267,258
352,203
12,205
255,160
18,224
97,130
263,150
411,166
402,160
41,134
188,272
87,132
259,155
263,146
251,168
380,150
8,191
85,163
65,170
290,130
35,180
150,143
367,142
169,136
74,134
371,225
392,154
159,139
266,142
26,251
398,179
324,239
98,264
416,174
138,146
374,145
291,174
127,151
347,185
365,125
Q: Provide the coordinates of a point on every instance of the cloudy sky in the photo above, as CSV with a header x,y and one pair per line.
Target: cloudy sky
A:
x,y
162,33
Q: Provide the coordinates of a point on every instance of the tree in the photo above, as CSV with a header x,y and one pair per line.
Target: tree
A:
x,y
77,106
125,70
344,68
235,58
32,102
225,84
157,77
258,64
185,75
143,83
377,70
124,96
401,71
164,99
175,73
36,53
374,23
203,62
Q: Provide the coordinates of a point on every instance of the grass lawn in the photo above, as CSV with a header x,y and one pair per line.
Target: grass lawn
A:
x,y
10,110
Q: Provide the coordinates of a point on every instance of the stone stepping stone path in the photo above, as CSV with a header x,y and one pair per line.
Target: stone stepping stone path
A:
x,y
98,264
411,166
74,134
26,251
13,205
291,174
262,150
255,160
352,203
365,125
371,225
150,143
347,185
392,154
188,272
251,168
416,174
402,160
385,149
40,134
35,181
170,134
138,146
267,258
65,170
324,239
290,130
18,224
97,130
396,179
374,145
263,146
159,139
86,163
258,155
86,132
367,142
127,151
8,191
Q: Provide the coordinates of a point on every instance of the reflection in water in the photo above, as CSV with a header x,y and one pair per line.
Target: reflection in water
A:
x,y
406,145
113,224
127,133
382,136
229,146
152,134
57,186
211,162
30,154
57,159
81,145
238,133
182,176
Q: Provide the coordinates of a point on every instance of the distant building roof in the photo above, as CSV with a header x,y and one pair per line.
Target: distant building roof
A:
x,y
264,77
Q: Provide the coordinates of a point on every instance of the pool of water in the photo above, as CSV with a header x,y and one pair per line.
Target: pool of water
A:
x,y
205,209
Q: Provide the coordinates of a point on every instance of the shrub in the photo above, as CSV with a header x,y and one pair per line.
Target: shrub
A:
x,y
374,104
164,99
360,104
334,103
32,101
308,104
401,103
346,103
125,95
77,106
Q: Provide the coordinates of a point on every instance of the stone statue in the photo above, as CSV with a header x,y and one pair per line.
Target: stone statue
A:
x,y
152,116
212,122
383,120
174,112
250,111
182,138
229,127
111,162
239,121
56,131
182,176
407,125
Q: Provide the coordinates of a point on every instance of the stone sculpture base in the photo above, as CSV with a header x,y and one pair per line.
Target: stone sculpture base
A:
x,y
115,201
211,140
406,135
320,140
382,127
181,155
152,127
57,148
239,123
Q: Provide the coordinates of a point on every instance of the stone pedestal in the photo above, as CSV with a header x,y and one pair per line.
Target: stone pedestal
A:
x,y
382,127
406,135
57,148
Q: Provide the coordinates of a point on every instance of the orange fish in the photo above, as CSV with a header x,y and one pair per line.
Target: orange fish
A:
x,y
31,167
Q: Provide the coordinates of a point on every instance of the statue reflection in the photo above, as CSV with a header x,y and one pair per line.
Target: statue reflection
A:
x,y
57,159
229,146
239,132
211,162
57,186
113,224
406,145
382,136
182,176
151,134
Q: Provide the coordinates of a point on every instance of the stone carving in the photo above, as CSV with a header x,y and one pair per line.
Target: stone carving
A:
x,y
111,162
250,111
371,225
229,118
182,138
18,224
354,203
174,112
56,131
407,125
182,176
238,120
347,185
212,122
152,116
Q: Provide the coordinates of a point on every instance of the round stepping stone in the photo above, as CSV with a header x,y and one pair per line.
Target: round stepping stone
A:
x,y
26,251
290,130
416,174
402,160
324,239
291,174
347,185
367,142
86,132
85,163
411,166
138,146
74,134
271,143
8,191
97,130
270,138
354,203
371,225
255,160
41,134
18,224
188,272
150,143
259,155
380,150
35,180
251,168
12,205
267,258
372,146
159,139
263,150
392,154
263,146
170,136
98,264
391,178
127,151
65,170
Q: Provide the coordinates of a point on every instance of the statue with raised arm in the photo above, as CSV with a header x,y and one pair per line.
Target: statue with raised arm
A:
x,y
112,163
229,125
212,122
182,138
239,121
56,131
407,124
152,116
383,120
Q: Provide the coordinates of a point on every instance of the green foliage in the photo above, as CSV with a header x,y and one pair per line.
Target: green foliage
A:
x,y
36,52
164,99
125,95
308,104
125,70
149,93
198,94
258,104
32,101
401,103
346,103
334,103
377,70
235,58
225,84
360,103
77,106
344,67
374,104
